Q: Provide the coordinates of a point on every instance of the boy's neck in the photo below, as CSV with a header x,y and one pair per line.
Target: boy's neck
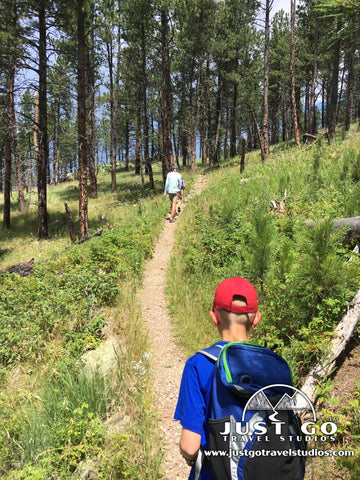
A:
x,y
236,335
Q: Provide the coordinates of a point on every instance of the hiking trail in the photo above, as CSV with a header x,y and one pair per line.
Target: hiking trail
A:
x,y
167,358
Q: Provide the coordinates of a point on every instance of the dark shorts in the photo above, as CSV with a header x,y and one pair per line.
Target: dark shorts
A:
x,y
173,197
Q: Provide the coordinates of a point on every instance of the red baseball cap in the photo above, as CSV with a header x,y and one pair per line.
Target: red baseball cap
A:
x,y
227,289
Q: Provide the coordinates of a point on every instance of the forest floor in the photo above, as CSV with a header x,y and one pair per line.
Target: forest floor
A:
x,y
167,357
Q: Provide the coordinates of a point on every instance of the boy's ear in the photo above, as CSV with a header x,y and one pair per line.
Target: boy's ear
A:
x,y
214,318
256,319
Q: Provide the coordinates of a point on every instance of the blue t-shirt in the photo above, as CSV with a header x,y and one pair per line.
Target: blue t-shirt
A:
x,y
192,406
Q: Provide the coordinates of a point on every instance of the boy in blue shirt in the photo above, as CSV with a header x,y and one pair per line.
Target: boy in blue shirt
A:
x,y
234,313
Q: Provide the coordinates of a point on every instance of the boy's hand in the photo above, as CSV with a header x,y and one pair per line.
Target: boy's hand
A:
x,y
190,460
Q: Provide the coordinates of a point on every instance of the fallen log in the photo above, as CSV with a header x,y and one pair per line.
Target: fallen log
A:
x,y
342,335
351,224
308,137
97,234
24,269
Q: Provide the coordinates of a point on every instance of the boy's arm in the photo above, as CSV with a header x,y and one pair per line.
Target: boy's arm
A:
x,y
189,445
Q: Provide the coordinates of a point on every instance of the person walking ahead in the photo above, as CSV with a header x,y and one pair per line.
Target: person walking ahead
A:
x,y
172,188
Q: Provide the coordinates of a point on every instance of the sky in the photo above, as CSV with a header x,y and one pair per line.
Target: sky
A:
x,y
281,5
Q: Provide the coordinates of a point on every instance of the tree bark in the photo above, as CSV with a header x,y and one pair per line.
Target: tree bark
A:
x,y
112,117
263,156
213,157
166,103
42,134
312,119
81,113
265,133
182,121
350,64
333,100
19,180
8,147
56,149
193,123
91,144
203,103
147,161
243,153
292,75
127,146
138,166
233,116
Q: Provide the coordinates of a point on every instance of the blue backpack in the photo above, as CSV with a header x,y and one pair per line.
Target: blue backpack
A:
x,y
247,438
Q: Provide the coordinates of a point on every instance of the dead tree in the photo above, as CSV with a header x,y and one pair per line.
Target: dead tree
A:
x,y
342,334
278,206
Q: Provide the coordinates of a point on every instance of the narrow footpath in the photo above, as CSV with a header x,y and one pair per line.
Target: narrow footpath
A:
x,y
167,358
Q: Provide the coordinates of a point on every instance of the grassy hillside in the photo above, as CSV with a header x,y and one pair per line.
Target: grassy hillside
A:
x,y
305,277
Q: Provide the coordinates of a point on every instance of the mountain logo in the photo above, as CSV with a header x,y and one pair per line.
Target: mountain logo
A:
x,y
293,399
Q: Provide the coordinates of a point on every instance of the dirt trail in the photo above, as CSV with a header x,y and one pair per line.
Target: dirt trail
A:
x,y
167,358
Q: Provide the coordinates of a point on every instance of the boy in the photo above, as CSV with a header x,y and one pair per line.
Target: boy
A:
x,y
234,313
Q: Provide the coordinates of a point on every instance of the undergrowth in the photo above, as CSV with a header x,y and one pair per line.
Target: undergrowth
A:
x,y
54,412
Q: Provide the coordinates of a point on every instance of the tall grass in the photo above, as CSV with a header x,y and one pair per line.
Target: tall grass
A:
x,y
53,431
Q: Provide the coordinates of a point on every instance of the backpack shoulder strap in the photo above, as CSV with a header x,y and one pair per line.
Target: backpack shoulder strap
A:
x,y
212,352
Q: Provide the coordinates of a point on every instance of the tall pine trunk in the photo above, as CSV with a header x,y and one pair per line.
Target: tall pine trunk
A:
x,y
43,150
8,145
265,132
203,104
91,143
145,110
166,104
350,65
112,118
233,121
138,145
56,145
292,75
19,180
183,137
333,94
219,107
81,117
312,119
193,123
